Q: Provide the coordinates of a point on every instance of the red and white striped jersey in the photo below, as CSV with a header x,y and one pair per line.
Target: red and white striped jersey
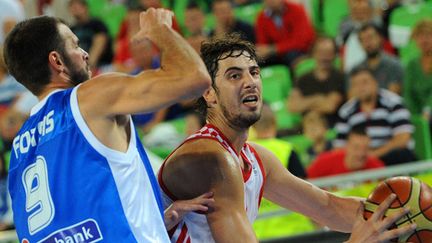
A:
x,y
194,227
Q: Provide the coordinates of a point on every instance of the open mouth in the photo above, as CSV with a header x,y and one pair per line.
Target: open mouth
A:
x,y
250,99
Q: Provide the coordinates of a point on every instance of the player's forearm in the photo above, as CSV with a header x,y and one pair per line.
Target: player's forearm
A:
x,y
341,212
176,53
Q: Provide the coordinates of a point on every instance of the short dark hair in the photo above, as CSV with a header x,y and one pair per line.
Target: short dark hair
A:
x,y
82,2
359,69
192,5
322,38
220,48
27,48
370,25
358,130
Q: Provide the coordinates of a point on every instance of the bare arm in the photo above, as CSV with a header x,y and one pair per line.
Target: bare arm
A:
x,y
328,103
182,75
100,41
398,141
299,103
298,195
190,172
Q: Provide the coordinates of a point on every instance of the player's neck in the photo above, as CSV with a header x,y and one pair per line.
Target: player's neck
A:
x,y
236,136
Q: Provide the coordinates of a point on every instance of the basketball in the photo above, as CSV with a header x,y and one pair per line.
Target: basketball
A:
x,y
411,193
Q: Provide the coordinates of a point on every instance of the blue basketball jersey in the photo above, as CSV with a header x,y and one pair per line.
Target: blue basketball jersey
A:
x,y
66,186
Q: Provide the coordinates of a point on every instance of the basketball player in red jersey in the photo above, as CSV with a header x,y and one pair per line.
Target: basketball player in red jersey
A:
x,y
218,159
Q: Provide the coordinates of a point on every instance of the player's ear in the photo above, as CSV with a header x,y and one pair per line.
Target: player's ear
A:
x,y
56,61
210,96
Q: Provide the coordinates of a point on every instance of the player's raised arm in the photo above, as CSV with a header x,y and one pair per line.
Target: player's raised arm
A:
x,y
182,75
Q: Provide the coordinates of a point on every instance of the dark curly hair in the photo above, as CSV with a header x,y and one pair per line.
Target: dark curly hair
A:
x,y
221,48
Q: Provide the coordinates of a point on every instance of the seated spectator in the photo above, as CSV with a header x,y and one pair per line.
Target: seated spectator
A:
x,y
265,130
387,69
353,157
195,26
361,12
323,89
123,61
386,120
418,79
283,32
227,23
93,35
315,128
11,12
10,89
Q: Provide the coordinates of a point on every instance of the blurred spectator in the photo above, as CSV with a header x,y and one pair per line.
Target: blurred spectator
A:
x,y
353,157
194,24
315,128
226,22
265,130
418,79
10,89
93,35
323,89
283,32
387,69
123,61
6,220
387,7
386,120
11,12
361,12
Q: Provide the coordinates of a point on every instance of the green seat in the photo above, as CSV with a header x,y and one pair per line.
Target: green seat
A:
x,y
109,13
422,138
404,18
276,82
248,13
334,12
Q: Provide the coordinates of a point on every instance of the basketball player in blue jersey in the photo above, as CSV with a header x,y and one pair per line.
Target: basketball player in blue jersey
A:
x,y
78,172
239,173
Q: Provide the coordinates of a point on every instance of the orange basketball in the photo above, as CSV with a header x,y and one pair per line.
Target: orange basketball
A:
x,y
410,192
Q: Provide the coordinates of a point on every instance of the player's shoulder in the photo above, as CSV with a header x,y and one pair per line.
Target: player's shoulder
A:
x,y
197,150
196,167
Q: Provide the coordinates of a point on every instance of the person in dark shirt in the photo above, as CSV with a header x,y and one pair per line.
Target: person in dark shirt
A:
x,y
93,35
227,23
323,89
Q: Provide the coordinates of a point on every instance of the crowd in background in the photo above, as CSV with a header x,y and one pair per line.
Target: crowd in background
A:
x,y
359,87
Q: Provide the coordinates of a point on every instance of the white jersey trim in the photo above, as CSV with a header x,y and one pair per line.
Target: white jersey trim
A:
x,y
94,142
41,103
132,181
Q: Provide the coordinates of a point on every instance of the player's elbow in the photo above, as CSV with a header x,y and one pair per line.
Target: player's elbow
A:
x,y
200,81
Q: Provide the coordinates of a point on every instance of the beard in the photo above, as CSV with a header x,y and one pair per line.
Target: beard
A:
x,y
76,75
373,53
240,120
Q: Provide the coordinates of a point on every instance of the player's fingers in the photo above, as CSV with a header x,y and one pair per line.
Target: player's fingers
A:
x,y
389,220
379,213
395,233
206,195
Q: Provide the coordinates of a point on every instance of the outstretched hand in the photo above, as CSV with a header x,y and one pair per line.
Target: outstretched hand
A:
x,y
375,229
175,212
